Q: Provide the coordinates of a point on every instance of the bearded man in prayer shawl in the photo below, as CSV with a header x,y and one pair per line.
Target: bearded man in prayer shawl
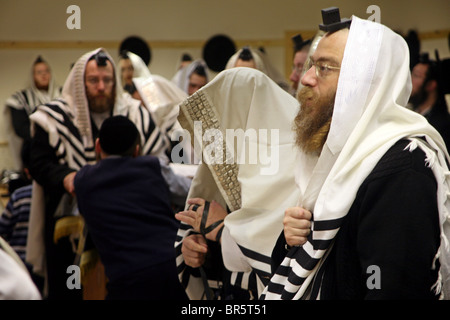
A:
x,y
64,133
373,177
232,258
21,104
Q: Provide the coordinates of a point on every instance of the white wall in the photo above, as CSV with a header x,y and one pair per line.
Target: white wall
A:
x,y
179,21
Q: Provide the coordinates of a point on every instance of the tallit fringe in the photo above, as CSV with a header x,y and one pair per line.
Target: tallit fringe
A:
x,y
88,262
432,161
66,226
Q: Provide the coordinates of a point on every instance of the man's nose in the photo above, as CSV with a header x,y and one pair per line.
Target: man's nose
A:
x,y
309,78
294,76
101,85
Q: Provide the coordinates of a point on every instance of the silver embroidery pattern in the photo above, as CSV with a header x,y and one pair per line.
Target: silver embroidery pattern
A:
x,y
198,108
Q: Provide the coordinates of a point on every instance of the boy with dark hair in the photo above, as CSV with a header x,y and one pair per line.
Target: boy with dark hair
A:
x,y
124,200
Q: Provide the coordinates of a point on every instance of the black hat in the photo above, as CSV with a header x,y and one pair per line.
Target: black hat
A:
x,y
298,42
246,54
39,60
413,41
138,46
117,135
186,57
217,51
332,20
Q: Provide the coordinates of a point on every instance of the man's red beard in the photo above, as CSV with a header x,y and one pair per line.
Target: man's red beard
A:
x,y
101,103
313,120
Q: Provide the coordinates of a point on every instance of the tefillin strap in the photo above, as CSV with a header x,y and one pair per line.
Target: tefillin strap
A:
x,y
101,58
332,20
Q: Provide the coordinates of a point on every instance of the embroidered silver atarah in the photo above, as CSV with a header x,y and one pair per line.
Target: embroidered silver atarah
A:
x,y
198,108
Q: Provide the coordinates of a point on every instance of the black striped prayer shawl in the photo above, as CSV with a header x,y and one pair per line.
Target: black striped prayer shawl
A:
x,y
369,116
64,136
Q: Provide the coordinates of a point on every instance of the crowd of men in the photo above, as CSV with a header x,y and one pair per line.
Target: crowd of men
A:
x,y
360,190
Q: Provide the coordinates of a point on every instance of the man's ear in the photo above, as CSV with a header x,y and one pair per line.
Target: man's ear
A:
x,y
98,148
137,151
431,85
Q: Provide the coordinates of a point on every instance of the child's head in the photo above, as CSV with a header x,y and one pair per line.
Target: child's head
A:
x,y
119,136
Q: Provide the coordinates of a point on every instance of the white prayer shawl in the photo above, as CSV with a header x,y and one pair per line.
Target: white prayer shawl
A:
x,y
181,78
369,117
27,99
15,280
256,191
161,97
140,69
67,122
259,63
263,64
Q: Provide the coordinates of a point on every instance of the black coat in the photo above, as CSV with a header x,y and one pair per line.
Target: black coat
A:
x,y
126,206
388,240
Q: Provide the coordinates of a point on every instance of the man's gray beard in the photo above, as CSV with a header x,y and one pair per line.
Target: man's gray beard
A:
x,y
312,123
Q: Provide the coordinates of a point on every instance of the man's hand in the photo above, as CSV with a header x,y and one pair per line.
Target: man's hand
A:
x,y
194,218
68,183
194,250
297,226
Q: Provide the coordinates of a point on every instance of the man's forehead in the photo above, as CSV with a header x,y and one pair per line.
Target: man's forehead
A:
x,y
92,67
41,65
301,56
125,62
421,67
331,47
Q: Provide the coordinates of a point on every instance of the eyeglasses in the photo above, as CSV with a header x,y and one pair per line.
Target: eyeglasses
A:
x,y
322,68
95,81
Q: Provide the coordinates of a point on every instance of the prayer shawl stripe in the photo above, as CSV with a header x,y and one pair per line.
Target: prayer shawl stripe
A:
x,y
312,247
325,225
324,234
321,244
61,157
252,281
283,271
23,97
180,268
275,288
142,124
80,162
286,295
255,255
184,226
292,286
74,143
297,275
185,277
304,261
236,278
170,127
153,142
244,280
24,100
52,112
61,117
